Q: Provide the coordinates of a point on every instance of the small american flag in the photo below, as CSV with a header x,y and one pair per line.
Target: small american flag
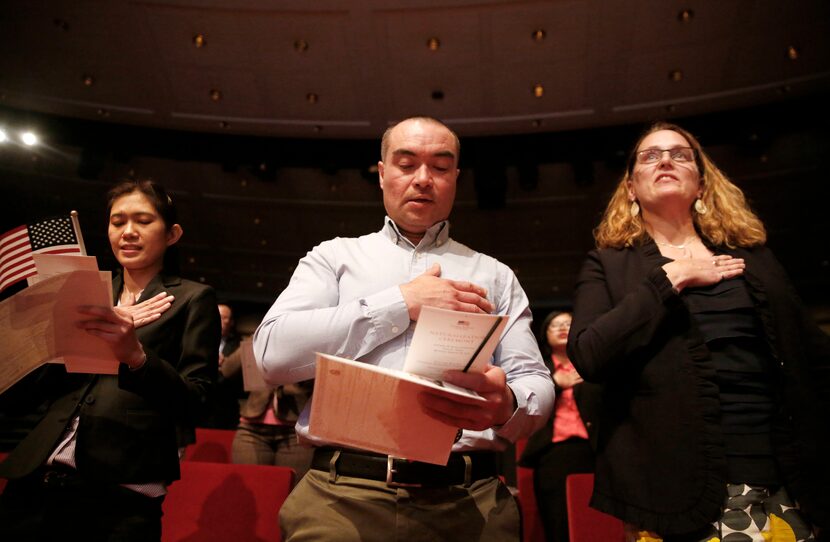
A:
x,y
49,236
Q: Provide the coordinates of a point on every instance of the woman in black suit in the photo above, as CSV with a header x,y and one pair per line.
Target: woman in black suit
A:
x,y
97,466
565,445
714,422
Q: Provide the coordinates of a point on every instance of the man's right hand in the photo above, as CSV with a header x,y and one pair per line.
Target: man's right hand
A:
x,y
430,289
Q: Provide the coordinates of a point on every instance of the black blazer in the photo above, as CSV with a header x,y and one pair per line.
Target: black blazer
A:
x,y
660,460
587,397
132,424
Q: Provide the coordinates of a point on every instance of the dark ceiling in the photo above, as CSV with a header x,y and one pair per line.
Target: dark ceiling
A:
x,y
338,69
264,172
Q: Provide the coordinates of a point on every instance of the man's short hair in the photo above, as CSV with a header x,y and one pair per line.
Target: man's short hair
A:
x,y
384,141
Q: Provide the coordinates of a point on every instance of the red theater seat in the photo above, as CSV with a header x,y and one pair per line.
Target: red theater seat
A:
x,y
217,502
532,530
211,446
584,523
3,456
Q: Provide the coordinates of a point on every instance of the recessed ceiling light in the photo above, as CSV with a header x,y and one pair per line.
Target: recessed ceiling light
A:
x,y
539,34
433,44
685,16
29,138
199,41
312,98
793,52
538,90
87,80
215,94
301,46
676,76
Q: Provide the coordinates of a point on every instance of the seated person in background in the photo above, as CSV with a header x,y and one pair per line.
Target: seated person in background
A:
x,y
265,435
565,445
223,410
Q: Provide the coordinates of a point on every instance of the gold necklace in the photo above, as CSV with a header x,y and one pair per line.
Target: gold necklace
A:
x,y
687,252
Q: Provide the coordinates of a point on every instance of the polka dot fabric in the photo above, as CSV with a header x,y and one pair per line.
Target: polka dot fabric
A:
x,y
751,514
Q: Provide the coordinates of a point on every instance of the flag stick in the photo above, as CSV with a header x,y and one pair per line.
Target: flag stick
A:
x,y
77,227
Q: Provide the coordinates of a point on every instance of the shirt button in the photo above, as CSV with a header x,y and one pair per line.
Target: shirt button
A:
x,y
395,329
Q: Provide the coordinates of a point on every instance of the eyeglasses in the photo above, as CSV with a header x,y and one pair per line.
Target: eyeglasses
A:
x,y
563,325
677,154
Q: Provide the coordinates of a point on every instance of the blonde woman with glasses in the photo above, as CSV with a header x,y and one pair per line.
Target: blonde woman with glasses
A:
x,y
714,422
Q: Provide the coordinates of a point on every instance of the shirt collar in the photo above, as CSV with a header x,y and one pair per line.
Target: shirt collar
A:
x,y
436,235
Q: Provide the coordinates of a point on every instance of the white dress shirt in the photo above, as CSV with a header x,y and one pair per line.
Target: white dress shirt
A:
x,y
344,299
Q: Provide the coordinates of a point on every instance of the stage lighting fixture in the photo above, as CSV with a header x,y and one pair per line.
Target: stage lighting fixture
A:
x,y
3,136
28,138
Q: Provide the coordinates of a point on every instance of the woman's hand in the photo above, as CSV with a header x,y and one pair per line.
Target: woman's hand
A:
x,y
683,273
149,310
566,379
114,326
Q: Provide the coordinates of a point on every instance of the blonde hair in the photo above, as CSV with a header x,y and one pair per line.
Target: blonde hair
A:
x,y
728,222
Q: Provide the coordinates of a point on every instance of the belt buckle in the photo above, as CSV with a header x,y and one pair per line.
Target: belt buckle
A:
x,y
390,474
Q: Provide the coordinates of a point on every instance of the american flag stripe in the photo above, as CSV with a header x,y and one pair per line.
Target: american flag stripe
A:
x,y
15,252
15,257
7,279
13,240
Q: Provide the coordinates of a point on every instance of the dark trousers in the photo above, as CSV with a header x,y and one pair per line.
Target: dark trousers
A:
x,y
63,506
561,459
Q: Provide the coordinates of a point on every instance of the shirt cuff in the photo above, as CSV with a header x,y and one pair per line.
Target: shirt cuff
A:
x,y
514,428
387,311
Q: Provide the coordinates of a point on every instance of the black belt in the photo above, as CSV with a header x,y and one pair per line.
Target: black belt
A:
x,y
463,468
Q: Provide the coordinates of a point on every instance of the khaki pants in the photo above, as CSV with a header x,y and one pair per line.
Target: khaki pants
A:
x,y
260,444
355,509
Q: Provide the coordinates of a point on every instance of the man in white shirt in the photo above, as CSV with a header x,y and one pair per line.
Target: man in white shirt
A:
x,y
359,298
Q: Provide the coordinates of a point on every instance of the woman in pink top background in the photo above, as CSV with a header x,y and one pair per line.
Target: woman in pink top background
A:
x,y
565,445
